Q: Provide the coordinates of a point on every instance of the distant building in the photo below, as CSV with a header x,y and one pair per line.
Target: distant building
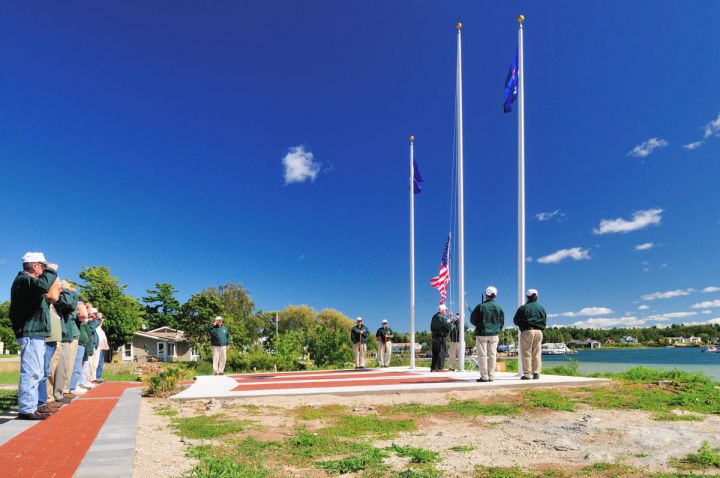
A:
x,y
587,343
629,340
404,347
692,340
163,344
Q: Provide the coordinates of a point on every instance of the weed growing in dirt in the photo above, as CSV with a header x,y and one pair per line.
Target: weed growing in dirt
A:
x,y
416,455
316,413
165,411
370,458
206,427
500,472
305,446
359,426
213,465
549,399
705,458
467,408
164,383
420,472
462,448
608,470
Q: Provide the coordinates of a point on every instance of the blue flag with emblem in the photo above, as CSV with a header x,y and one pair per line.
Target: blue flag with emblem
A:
x,y
511,85
417,178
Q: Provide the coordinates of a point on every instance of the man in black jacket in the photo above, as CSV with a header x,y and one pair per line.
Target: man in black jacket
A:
x,y
488,319
532,319
440,327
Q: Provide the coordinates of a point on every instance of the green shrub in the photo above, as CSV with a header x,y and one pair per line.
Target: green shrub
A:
x,y
164,383
705,458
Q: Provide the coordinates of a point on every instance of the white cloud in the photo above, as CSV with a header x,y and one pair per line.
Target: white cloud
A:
x,y
708,304
711,289
713,128
668,294
640,220
576,253
671,315
644,307
644,246
647,147
587,312
602,323
547,215
707,311
695,145
300,165
529,259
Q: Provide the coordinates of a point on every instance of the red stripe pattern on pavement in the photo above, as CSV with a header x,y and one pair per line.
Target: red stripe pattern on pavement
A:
x,y
55,447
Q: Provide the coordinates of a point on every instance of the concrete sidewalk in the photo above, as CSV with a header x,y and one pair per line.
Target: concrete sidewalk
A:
x,y
354,382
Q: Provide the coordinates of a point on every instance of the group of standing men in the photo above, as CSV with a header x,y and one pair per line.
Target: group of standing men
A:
x,y
62,343
359,337
489,319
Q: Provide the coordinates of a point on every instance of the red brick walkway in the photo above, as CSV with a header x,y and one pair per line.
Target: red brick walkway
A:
x,y
55,447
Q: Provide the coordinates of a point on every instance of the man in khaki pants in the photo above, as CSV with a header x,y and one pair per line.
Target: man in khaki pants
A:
x,y
384,338
359,337
532,319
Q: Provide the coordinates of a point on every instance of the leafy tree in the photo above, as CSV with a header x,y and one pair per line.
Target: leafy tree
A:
x,y
161,306
7,336
238,313
197,314
333,320
122,312
328,345
296,317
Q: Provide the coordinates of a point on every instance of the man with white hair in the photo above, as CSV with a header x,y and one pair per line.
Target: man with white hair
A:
x,y
359,337
220,340
384,338
30,317
440,327
532,319
488,319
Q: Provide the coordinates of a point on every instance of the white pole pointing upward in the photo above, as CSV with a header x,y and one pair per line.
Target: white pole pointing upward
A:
x,y
412,255
521,177
461,226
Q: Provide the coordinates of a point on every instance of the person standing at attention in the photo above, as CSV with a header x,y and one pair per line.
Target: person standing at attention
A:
x,y
359,337
220,340
532,319
384,338
488,319
440,328
455,355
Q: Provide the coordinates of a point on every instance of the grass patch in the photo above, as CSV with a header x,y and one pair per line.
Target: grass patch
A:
x,y
9,378
317,413
674,417
416,455
121,377
8,399
467,408
370,458
206,427
305,446
462,448
360,426
550,400
500,472
420,472
705,458
165,411
570,369
213,464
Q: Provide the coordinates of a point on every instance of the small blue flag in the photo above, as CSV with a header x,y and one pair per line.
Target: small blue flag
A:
x,y
511,85
417,178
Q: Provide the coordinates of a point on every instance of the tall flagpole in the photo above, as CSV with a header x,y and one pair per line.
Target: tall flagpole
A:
x,y
521,178
412,255
461,226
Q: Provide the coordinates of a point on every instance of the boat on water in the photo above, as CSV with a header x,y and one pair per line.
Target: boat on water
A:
x,y
712,348
556,349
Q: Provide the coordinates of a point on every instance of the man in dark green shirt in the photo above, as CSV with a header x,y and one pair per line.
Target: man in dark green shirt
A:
x,y
359,337
384,338
488,319
440,327
532,319
220,340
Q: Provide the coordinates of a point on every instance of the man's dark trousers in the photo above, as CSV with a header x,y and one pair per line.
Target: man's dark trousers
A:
x,y
439,352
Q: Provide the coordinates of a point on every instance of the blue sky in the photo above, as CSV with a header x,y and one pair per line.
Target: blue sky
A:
x,y
155,139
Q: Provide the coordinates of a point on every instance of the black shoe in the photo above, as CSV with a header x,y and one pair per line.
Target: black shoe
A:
x,y
536,376
524,377
491,380
32,416
482,380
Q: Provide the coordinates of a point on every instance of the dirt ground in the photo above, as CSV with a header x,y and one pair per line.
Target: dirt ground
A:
x,y
530,440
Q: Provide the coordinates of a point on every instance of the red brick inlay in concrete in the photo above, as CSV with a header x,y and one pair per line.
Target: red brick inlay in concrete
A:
x,y
303,373
56,446
336,376
319,383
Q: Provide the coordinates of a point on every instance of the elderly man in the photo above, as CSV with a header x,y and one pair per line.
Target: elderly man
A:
x,y
384,338
488,319
359,337
219,339
456,354
102,350
30,319
532,319
440,327
80,354
67,308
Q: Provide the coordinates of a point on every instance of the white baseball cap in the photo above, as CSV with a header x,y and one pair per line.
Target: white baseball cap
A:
x,y
491,291
359,319
531,292
384,321
218,319
442,307
34,257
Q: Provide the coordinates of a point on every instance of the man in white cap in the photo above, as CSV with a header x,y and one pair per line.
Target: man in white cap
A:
x,y
440,327
359,337
30,317
220,340
532,319
384,338
488,319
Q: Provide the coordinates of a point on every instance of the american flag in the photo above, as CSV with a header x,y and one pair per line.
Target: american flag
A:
x,y
441,281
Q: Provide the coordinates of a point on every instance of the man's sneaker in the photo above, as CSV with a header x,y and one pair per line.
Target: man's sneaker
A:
x,y
78,391
536,376
482,380
68,395
32,416
524,377
47,410
87,387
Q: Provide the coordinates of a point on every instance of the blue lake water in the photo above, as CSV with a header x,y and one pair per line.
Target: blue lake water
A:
x,y
617,360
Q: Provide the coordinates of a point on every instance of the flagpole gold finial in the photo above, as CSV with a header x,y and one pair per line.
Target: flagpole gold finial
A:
x,y
521,19
412,138
459,26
